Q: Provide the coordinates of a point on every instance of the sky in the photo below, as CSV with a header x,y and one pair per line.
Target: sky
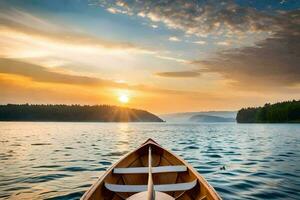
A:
x,y
163,56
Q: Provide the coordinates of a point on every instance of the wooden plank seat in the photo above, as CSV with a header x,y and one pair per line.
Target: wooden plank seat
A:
x,y
160,188
155,170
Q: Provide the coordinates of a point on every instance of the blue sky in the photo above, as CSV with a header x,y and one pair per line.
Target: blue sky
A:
x,y
208,55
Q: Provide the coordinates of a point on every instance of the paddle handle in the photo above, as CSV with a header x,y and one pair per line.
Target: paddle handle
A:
x,y
151,192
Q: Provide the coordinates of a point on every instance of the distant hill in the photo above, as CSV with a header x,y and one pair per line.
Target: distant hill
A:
x,y
283,112
185,116
74,113
209,118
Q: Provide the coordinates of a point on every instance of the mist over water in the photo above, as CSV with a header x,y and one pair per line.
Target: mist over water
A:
x,y
47,160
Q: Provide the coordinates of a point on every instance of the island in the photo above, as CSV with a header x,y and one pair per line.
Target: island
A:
x,y
186,117
74,113
210,119
282,112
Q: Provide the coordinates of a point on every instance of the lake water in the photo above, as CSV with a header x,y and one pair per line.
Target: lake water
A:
x,y
61,160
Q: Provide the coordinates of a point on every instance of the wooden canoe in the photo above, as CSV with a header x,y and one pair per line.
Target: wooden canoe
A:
x,y
151,172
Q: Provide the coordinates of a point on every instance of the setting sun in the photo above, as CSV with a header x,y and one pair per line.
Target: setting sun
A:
x,y
124,98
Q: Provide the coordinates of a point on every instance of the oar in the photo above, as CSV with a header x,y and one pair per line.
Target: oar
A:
x,y
151,192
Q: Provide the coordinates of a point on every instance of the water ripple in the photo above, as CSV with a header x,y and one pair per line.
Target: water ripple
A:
x,y
45,178
61,160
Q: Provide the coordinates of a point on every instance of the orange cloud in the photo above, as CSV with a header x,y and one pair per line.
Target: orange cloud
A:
x,y
179,74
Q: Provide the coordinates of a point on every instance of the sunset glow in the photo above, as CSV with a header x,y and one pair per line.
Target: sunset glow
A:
x,y
197,62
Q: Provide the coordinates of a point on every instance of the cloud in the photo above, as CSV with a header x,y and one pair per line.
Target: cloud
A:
x,y
115,10
39,74
25,36
112,10
262,36
179,74
199,17
223,43
154,26
272,63
199,42
42,74
21,25
179,60
57,45
174,39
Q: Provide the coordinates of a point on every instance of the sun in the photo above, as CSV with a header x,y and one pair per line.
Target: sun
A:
x,y
124,98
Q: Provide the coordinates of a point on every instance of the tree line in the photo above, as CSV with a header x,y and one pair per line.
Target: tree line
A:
x,y
76,113
282,112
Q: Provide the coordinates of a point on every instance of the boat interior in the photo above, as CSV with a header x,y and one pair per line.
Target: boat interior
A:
x,y
149,168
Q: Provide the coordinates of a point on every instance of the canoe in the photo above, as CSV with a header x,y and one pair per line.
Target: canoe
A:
x,y
151,172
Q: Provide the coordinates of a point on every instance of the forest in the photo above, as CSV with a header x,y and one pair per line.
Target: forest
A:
x,y
282,112
74,113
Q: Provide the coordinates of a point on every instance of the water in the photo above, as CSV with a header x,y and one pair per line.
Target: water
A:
x,y
61,160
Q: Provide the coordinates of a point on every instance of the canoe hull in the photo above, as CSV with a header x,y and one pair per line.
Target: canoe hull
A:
x,y
160,157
